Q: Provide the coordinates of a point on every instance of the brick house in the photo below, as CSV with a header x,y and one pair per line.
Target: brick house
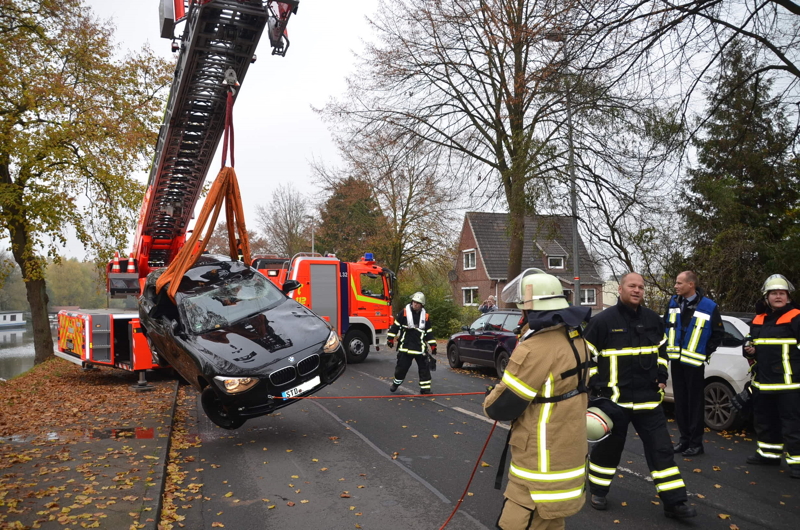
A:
x,y
482,262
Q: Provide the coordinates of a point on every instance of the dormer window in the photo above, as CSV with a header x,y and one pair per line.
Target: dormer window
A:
x,y
555,262
469,259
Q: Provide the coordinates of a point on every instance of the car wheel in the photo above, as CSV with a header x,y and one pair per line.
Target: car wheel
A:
x,y
356,346
216,411
719,413
500,363
452,357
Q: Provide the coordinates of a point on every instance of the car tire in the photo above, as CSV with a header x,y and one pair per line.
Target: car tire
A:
x,y
216,412
452,357
356,346
719,414
500,363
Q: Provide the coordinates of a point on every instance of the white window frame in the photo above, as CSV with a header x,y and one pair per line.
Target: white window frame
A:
x,y
467,253
474,295
594,296
550,264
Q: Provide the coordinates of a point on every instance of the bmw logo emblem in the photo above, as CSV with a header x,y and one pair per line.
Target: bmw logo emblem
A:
x,y
291,359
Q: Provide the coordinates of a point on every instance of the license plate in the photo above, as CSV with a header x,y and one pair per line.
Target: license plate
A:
x,y
305,387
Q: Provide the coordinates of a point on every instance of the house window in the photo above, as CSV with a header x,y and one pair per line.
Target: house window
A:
x,y
588,297
470,295
13,318
469,259
555,262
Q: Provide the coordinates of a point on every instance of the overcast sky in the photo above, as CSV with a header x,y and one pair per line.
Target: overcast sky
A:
x,y
277,133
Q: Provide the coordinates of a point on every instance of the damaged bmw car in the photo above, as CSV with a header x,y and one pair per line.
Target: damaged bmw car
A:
x,y
239,340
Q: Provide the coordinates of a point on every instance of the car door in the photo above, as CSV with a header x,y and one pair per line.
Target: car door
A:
x,y
486,343
466,341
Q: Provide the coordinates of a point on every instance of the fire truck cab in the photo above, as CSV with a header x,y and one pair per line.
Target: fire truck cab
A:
x,y
354,298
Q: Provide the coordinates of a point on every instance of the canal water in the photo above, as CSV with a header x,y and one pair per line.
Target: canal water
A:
x,y
16,350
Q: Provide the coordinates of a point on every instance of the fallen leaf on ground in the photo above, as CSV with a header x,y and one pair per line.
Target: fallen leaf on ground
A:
x,y
484,464
290,503
697,470
723,516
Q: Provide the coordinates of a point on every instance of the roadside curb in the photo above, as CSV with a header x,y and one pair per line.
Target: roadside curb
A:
x,y
162,464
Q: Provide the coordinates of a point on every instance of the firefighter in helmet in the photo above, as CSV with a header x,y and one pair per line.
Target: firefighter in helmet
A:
x,y
413,331
543,391
773,344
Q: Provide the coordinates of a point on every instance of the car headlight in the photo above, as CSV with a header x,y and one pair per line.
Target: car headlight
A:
x,y
332,344
234,385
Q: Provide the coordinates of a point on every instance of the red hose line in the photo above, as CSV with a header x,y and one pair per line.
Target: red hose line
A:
x,y
389,397
478,461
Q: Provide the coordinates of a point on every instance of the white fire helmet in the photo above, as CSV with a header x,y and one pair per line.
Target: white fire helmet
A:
x,y
544,291
418,297
598,425
777,282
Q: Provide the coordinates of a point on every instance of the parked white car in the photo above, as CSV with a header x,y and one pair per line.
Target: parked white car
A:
x,y
725,375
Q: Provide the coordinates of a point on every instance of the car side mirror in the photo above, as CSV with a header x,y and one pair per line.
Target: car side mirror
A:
x,y
732,342
464,328
290,285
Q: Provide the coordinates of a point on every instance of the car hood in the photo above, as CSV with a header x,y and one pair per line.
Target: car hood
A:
x,y
258,342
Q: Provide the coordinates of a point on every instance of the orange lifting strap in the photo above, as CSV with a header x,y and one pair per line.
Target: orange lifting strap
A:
x,y
225,186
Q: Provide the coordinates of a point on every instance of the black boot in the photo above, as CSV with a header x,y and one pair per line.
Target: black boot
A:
x,y
795,470
394,386
680,447
679,511
599,502
758,460
425,391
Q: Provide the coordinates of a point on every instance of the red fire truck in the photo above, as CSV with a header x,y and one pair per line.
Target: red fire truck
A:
x,y
355,298
217,46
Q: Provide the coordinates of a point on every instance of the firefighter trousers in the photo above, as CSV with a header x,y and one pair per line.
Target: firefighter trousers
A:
x,y
516,517
651,425
776,418
404,363
688,383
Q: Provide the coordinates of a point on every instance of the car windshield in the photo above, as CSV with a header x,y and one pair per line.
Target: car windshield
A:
x,y
230,302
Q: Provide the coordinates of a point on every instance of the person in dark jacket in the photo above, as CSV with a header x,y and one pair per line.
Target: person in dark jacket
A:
x,y
628,343
413,330
694,330
773,343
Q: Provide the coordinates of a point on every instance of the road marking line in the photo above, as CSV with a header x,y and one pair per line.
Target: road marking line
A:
x,y
479,417
413,475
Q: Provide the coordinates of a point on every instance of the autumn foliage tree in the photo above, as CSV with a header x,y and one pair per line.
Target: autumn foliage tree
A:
x,y
75,123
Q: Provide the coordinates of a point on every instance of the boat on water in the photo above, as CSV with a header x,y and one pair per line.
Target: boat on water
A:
x,y
12,319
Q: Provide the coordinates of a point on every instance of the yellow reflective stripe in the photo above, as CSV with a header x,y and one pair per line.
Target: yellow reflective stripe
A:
x,y
775,341
554,496
613,376
763,445
591,347
663,361
362,298
663,340
518,385
673,313
528,474
630,351
787,366
606,470
775,386
693,355
792,459
592,371
664,473
544,419
599,481
767,454
670,485
640,406
687,360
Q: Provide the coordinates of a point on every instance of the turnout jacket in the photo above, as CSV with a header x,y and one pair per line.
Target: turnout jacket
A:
x,y
694,333
413,330
775,336
548,440
631,359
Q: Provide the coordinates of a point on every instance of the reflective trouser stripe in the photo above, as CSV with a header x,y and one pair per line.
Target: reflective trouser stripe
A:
x,y
601,475
665,473
424,384
555,496
398,381
766,454
670,485
792,459
770,450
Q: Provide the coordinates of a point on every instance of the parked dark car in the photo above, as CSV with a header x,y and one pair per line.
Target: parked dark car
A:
x,y
489,341
240,341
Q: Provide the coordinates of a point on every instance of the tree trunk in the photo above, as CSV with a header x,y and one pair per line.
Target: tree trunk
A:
x,y
42,338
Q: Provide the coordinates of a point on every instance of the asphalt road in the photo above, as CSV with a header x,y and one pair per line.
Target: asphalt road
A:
x,y
403,463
